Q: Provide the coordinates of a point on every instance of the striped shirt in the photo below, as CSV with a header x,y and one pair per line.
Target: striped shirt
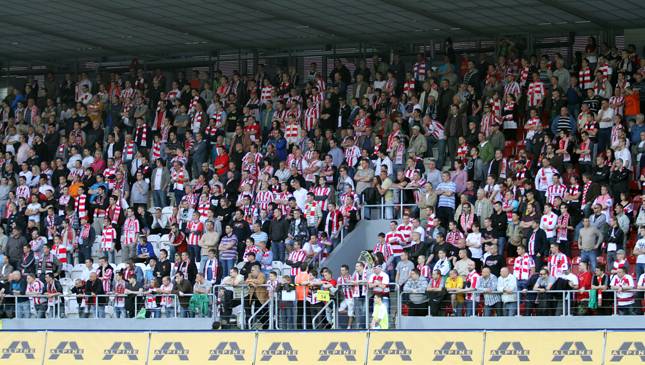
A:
x,y
394,239
535,93
446,201
130,231
382,278
36,287
230,253
406,231
385,249
489,283
297,257
555,191
343,283
195,229
360,290
108,238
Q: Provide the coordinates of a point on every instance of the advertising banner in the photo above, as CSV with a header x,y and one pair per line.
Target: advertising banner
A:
x,y
305,348
193,348
18,348
553,347
423,347
625,347
114,348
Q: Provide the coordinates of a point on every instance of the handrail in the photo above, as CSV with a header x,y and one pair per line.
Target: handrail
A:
x,y
567,298
268,303
323,310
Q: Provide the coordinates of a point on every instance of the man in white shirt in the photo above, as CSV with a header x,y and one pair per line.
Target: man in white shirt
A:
x,y
73,157
544,178
299,194
384,160
378,281
549,222
605,119
507,285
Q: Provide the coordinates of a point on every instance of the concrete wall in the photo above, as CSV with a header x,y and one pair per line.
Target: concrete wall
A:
x,y
109,324
362,238
523,323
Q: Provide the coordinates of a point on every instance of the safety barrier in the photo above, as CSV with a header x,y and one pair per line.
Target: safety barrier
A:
x,y
337,347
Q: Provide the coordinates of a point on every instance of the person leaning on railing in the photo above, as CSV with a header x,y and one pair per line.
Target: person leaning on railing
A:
x,y
231,293
183,289
415,290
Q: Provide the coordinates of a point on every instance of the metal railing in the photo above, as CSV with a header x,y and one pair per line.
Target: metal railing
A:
x,y
390,210
524,303
103,306
339,312
330,306
289,311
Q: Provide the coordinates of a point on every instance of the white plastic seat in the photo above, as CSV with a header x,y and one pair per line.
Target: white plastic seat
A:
x,y
277,266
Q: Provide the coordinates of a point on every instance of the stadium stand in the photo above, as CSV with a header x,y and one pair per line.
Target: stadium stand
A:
x,y
497,184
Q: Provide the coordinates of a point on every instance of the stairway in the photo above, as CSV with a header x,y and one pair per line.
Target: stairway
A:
x,y
362,238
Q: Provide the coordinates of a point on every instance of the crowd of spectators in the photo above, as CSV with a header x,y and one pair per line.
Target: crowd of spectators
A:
x,y
508,173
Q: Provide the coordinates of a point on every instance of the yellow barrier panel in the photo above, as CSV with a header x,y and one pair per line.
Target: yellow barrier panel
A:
x,y
173,348
447,348
76,348
308,348
22,348
564,348
625,348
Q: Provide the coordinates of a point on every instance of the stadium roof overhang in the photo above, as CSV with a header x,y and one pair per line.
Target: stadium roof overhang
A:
x,y
59,30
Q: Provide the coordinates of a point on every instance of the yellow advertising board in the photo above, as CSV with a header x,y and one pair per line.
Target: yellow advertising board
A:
x,y
563,348
308,348
625,348
423,347
114,348
201,348
21,348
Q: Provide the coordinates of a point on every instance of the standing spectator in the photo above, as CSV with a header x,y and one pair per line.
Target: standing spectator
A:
x,y
183,289
278,232
415,289
446,205
487,285
507,285
590,239
228,249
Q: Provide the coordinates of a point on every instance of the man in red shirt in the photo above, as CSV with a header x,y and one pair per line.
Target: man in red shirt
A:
x,y
221,161
584,284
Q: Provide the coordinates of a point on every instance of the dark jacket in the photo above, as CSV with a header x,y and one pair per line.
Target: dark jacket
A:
x,y
600,174
541,244
95,288
615,236
455,126
300,230
200,152
28,263
619,182
278,229
13,248
42,267
162,269
185,287
191,271
91,237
